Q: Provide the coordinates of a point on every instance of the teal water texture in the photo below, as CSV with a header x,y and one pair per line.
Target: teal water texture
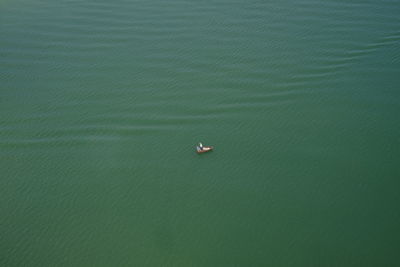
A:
x,y
103,102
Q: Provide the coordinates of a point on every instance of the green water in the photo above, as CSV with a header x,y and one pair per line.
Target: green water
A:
x,y
103,102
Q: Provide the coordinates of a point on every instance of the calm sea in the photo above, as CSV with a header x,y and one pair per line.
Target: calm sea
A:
x,y
102,104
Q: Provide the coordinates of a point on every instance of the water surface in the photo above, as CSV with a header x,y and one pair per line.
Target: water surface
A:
x,y
103,102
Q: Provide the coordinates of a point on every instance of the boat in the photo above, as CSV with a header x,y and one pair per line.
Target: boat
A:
x,y
203,149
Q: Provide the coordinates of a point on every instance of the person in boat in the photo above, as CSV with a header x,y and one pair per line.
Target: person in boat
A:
x,y
200,147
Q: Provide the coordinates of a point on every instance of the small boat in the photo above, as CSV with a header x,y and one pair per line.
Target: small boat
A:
x,y
203,149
